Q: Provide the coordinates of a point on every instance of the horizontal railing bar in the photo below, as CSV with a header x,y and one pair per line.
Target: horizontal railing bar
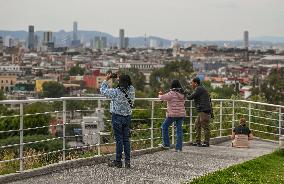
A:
x,y
259,103
7,131
264,132
35,128
264,111
42,154
137,140
264,118
264,125
44,140
11,160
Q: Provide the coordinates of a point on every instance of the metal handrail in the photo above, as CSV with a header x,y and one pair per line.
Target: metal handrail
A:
x,y
219,125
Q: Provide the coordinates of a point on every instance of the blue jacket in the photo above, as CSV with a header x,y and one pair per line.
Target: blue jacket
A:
x,y
119,103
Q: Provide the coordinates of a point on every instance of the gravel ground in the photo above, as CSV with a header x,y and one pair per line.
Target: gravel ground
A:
x,y
161,167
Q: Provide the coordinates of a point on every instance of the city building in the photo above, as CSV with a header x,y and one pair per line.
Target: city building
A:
x,y
246,39
1,46
48,43
104,41
121,39
97,42
75,30
7,80
31,38
100,42
75,42
126,42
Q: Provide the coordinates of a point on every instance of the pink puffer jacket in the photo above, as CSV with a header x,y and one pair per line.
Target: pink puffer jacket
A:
x,y
175,104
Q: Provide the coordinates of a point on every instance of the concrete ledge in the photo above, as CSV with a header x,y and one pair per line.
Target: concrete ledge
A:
x,y
84,162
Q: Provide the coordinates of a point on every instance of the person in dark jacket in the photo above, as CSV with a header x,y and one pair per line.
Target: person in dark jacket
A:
x,y
202,103
241,135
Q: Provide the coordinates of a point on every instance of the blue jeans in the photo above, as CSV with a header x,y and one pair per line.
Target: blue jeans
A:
x,y
121,130
165,131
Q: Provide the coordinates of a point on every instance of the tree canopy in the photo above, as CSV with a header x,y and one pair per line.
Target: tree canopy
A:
x,y
272,88
76,70
53,89
160,79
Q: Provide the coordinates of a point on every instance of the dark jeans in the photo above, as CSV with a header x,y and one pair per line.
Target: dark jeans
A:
x,y
121,130
202,121
165,131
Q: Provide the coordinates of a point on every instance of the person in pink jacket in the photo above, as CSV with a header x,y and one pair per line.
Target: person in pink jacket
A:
x,y
175,99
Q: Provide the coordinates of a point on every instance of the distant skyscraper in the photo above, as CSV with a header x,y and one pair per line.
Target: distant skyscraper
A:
x,y
31,39
1,45
75,30
126,42
10,42
47,37
48,40
104,42
36,41
97,42
246,39
75,42
121,39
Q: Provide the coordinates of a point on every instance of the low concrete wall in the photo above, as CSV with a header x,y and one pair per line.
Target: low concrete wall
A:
x,y
84,162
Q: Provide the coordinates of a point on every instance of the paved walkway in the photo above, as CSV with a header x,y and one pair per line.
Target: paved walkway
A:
x,y
161,167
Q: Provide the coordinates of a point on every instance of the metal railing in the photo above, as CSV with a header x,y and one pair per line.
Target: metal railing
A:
x,y
32,145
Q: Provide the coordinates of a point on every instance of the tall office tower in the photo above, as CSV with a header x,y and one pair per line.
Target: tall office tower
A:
x,y
47,37
48,40
75,30
31,39
126,42
246,39
1,45
97,42
121,39
36,41
10,42
75,42
104,42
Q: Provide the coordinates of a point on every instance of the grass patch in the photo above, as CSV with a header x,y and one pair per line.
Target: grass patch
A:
x,y
265,169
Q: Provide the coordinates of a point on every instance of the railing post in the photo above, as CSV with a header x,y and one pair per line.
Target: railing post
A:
x,y
99,104
99,144
249,114
233,115
63,129
152,123
173,133
190,122
280,122
221,117
21,137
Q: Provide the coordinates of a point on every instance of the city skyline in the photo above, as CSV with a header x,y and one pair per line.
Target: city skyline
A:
x,y
184,20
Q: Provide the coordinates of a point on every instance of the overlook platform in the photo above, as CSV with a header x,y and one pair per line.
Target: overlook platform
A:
x,y
165,166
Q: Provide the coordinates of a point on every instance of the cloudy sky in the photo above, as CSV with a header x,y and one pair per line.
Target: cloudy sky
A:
x,y
181,19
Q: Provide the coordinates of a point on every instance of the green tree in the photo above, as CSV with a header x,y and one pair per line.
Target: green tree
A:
x,y
272,88
76,70
138,78
160,79
53,89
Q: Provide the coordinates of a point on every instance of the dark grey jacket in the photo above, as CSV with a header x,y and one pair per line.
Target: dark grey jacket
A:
x,y
201,99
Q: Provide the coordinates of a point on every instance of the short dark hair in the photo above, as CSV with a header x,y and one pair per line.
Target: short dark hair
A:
x,y
196,80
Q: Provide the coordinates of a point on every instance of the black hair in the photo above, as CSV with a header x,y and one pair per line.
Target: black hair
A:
x,y
124,82
176,86
196,80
